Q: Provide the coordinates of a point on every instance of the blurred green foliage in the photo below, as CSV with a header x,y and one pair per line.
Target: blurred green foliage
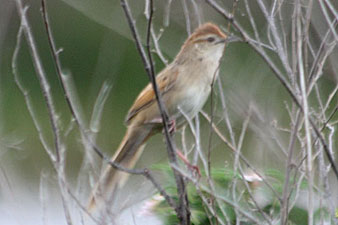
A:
x,y
224,180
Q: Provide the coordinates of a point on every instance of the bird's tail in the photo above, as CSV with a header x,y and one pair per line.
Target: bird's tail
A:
x,y
128,153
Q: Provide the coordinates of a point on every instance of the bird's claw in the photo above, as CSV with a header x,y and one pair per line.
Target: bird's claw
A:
x,y
172,126
195,169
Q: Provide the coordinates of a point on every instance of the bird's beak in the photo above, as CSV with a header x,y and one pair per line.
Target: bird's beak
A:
x,y
228,39
232,38
223,40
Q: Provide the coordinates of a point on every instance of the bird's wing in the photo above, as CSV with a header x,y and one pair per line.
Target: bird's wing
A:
x,y
165,81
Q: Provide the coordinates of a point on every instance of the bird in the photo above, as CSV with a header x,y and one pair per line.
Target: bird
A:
x,y
184,84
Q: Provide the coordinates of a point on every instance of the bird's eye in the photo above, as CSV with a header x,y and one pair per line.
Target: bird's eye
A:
x,y
210,39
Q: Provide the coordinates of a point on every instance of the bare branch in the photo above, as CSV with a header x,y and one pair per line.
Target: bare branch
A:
x,y
182,209
59,163
289,166
187,17
306,115
42,79
328,20
28,99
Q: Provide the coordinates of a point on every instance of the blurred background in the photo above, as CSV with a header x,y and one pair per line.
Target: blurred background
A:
x,y
97,50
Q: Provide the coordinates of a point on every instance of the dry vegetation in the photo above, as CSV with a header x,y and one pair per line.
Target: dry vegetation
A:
x,y
298,53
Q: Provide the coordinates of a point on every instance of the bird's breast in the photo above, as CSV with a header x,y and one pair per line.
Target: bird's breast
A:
x,y
192,89
194,99
191,99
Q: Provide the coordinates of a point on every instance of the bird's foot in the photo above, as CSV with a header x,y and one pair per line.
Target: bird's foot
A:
x,y
171,124
195,169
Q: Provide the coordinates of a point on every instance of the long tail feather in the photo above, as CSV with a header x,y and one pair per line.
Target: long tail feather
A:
x,y
128,153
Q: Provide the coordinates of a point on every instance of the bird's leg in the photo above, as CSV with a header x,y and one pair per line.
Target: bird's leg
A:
x,y
189,165
172,129
171,124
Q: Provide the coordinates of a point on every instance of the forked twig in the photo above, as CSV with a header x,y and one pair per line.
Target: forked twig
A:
x,y
58,161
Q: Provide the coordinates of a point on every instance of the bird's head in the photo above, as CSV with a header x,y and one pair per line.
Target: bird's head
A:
x,y
207,41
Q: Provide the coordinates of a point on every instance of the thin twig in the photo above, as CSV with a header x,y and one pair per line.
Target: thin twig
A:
x,y
225,112
288,167
306,35
154,37
187,17
330,98
197,12
182,209
320,64
42,79
319,54
59,163
306,115
27,97
252,21
277,38
327,18
166,16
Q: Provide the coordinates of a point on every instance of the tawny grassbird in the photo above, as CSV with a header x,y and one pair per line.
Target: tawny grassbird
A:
x,y
185,85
